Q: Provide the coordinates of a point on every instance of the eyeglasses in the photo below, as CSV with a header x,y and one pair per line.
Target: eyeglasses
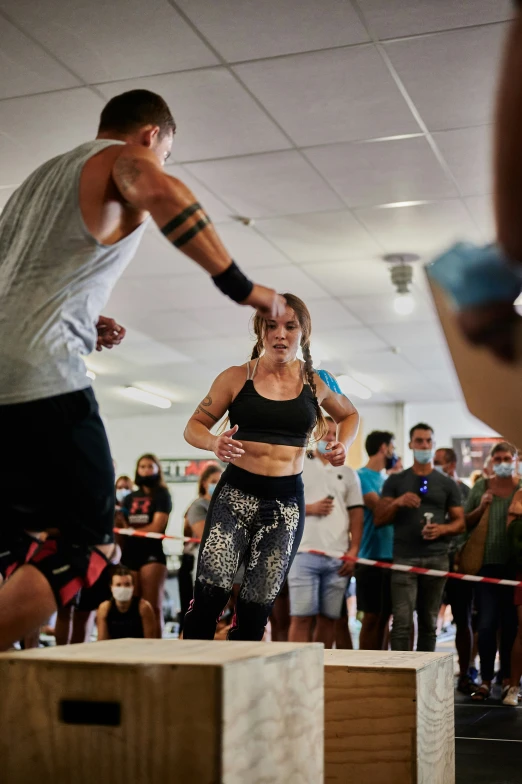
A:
x,y
423,486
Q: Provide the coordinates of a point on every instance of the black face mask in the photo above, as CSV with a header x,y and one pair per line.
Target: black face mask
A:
x,y
147,481
391,462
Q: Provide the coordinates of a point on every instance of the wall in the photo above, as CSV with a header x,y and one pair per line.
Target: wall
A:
x,y
449,420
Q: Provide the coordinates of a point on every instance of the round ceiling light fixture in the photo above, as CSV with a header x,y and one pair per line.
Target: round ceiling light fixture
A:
x,y
402,276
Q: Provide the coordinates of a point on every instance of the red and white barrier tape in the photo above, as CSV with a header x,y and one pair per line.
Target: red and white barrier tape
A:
x,y
365,561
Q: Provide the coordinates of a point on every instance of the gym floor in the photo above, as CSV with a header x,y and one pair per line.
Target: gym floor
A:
x,y
488,741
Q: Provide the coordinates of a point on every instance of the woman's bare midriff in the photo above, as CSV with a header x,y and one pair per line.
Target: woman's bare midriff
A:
x,y
271,459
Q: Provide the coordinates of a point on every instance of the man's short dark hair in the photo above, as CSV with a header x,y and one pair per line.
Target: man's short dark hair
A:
x,y
133,110
376,439
450,456
420,426
121,571
503,446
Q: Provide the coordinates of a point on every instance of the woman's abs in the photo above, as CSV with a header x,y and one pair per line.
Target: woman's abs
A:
x,y
271,459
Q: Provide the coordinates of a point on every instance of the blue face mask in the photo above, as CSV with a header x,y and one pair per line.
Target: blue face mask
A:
x,y
439,469
321,447
504,470
423,456
211,487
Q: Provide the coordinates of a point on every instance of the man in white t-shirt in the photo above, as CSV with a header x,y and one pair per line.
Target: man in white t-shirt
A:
x,y
334,510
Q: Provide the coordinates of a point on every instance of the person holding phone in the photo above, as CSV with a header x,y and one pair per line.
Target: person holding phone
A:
x,y
425,509
333,526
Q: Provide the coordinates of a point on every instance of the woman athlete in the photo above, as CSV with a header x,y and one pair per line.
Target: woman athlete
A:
x,y
256,514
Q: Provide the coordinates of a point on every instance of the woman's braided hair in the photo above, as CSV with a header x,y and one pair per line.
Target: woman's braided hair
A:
x,y
305,322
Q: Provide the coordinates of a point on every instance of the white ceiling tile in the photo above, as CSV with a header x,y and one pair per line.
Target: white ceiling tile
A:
x,y
383,172
436,357
289,279
265,185
394,18
481,208
422,229
123,39
214,114
212,205
35,128
346,343
378,310
335,96
249,248
329,235
248,29
141,349
328,314
173,325
405,335
218,353
225,322
468,152
26,68
351,279
451,77
157,256
392,368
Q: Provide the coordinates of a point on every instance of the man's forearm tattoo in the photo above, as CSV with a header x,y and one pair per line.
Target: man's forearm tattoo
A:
x,y
181,219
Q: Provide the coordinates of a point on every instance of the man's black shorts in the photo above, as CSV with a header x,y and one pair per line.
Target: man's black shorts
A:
x,y
56,469
373,589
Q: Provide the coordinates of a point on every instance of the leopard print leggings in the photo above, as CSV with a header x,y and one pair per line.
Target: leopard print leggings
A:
x,y
253,520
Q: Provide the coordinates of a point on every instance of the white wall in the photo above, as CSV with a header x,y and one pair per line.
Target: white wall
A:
x,y
449,420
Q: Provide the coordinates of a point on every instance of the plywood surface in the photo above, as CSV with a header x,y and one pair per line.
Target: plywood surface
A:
x,y
396,660
132,651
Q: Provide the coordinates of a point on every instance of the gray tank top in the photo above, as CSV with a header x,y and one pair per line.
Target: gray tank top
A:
x,y
55,280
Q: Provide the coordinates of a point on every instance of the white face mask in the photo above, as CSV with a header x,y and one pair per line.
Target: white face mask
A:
x,y
122,593
122,493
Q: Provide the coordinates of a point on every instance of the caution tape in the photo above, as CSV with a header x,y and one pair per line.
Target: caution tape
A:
x,y
395,567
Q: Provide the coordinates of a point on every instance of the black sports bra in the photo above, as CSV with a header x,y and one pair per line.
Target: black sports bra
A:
x,y
285,422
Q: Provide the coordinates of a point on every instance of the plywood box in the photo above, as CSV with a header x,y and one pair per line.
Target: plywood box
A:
x,y
389,717
161,711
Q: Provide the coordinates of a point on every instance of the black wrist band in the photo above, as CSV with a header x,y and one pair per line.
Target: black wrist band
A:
x,y
234,283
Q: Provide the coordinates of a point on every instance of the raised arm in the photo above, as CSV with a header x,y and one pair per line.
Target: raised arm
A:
x,y
508,145
345,416
140,178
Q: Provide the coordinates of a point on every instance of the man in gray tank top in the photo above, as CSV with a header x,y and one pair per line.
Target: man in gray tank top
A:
x,y
66,235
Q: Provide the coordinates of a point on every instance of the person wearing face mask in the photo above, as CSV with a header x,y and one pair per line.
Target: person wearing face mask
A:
x,y
334,510
373,584
419,541
125,615
458,594
147,510
495,603
195,518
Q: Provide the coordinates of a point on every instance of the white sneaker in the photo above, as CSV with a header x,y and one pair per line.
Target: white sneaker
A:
x,y
511,697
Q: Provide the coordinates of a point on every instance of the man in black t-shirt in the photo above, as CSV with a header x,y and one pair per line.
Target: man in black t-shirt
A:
x,y
422,541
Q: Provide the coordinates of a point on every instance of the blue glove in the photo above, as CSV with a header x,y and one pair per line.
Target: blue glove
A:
x,y
475,276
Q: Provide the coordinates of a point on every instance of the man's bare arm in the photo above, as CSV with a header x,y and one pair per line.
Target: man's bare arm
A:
x,y
142,182
508,146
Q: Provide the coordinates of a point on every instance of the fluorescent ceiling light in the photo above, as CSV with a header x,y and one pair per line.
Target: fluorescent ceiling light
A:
x,y
395,205
404,304
91,374
146,397
352,387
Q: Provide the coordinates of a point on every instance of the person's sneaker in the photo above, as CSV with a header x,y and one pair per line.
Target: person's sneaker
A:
x,y
511,697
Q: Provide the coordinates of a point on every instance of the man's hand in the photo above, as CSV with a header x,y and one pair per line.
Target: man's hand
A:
x,y
266,301
335,454
109,333
320,508
432,531
410,500
348,567
486,499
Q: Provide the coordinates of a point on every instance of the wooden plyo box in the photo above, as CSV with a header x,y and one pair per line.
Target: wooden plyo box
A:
x,y
389,717
162,711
